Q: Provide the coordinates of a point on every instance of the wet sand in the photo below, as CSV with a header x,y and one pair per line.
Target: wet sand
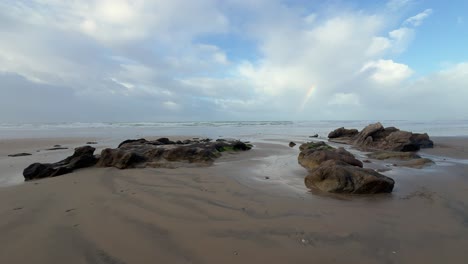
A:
x,y
230,213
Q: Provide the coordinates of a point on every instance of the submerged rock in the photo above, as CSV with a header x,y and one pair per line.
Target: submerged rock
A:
x,y
383,155
81,158
292,144
417,163
19,155
405,159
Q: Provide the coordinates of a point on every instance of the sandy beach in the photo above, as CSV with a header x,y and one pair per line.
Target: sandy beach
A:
x,y
230,212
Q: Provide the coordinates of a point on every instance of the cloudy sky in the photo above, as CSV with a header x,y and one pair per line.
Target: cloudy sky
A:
x,y
178,60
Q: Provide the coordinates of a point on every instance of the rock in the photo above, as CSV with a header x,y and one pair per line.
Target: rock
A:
x,y
366,161
339,177
364,138
239,145
56,148
314,136
138,153
417,163
343,132
313,154
376,137
20,154
119,158
292,144
165,141
81,158
162,152
128,141
422,140
91,143
320,145
383,155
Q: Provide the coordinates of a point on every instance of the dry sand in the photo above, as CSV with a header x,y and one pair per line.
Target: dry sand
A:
x,y
230,213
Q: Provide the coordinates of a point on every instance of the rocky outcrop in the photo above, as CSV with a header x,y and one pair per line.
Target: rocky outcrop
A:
x,y
162,152
81,158
338,171
139,153
376,137
339,177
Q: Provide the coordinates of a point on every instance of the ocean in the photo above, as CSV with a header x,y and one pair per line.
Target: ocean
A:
x,y
235,129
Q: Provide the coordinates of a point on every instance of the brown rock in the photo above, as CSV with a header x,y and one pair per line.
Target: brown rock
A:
x,y
343,132
376,137
339,177
313,154
161,152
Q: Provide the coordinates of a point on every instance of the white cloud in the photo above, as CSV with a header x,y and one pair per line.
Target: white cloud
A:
x,y
171,105
419,18
378,46
344,99
186,60
401,39
387,71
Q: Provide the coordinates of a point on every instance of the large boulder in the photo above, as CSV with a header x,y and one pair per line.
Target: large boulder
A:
x,y
343,132
364,138
422,140
338,171
339,177
313,154
81,158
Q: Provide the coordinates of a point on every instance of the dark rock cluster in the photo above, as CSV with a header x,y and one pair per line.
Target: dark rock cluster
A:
x,y
336,170
376,137
139,153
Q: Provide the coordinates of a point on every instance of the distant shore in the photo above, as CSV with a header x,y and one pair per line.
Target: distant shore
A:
x,y
248,206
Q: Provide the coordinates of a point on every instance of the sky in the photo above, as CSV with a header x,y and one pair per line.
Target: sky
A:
x,y
204,60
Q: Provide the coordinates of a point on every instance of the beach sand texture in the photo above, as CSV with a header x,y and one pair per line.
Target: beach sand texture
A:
x,y
231,213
